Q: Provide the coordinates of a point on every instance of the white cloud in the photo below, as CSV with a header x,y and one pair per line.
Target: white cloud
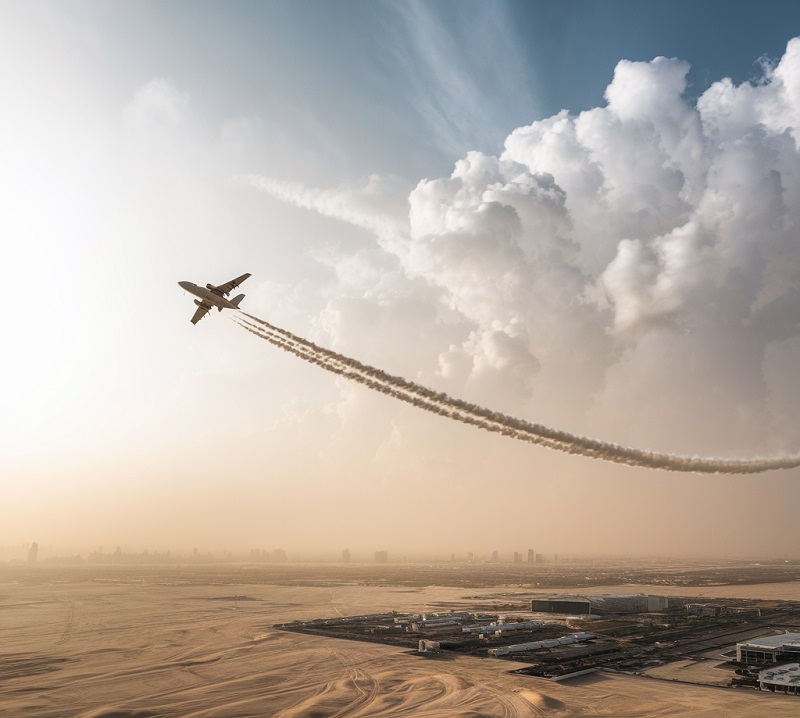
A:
x,y
729,111
629,266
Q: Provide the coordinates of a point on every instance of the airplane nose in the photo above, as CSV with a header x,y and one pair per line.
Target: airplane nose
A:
x,y
183,285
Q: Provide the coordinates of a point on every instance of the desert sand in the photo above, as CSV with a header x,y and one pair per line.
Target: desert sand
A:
x,y
88,646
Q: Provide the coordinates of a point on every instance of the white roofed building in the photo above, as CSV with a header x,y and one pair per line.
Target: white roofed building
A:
x,y
770,649
781,679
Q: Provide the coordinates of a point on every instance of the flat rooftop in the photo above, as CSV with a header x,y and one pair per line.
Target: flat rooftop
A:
x,y
772,642
785,675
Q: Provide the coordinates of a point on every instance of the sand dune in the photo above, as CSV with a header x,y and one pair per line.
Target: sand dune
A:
x,y
133,650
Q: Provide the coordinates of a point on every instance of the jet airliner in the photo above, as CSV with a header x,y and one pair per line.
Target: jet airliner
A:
x,y
211,296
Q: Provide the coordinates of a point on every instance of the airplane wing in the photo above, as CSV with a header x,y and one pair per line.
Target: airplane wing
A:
x,y
228,286
202,309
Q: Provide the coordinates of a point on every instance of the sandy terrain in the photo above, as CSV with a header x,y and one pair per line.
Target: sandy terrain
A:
x,y
703,672
139,648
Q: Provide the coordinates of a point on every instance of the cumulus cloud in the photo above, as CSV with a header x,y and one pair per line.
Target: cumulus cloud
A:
x,y
634,266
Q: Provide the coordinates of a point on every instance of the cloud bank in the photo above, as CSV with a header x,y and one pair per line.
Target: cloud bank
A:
x,y
633,269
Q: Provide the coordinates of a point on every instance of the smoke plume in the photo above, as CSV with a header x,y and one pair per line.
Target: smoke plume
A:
x,y
444,405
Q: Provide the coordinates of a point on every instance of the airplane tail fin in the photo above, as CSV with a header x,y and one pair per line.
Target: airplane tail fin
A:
x,y
237,299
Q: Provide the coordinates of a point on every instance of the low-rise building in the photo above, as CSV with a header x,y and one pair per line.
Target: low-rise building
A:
x,y
538,645
781,679
427,646
703,609
782,648
504,627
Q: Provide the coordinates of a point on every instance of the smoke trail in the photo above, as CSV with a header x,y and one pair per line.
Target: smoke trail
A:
x,y
458,410
434,402
407,396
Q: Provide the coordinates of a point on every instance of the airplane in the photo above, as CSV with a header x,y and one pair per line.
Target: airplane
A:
x,y
211,296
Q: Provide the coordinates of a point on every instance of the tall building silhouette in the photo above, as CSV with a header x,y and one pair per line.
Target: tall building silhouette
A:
x,y
33,552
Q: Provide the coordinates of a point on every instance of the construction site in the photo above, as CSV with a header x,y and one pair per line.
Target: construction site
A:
x,y
564,637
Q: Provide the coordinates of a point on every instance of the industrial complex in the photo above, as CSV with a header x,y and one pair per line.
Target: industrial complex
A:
x,y
748,644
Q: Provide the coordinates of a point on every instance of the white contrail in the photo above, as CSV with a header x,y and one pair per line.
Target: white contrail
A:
x,y
444,405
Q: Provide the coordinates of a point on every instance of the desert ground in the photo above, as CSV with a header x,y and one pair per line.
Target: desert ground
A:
x,y
92,643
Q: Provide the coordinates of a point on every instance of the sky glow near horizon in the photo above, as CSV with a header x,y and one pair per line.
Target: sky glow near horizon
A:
x,y
488,199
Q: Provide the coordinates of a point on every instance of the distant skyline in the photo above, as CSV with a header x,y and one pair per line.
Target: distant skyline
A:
x,y
513,555
582,214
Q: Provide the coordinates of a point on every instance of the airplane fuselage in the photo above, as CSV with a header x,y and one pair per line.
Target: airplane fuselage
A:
x,y
208,295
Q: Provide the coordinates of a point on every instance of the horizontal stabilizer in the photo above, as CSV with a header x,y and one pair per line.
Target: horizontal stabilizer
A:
x,y
237,299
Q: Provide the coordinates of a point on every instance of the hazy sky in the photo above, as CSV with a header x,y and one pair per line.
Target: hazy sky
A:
x,y
585,214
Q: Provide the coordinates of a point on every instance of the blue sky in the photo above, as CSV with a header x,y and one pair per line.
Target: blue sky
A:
x,y
383,79
400,183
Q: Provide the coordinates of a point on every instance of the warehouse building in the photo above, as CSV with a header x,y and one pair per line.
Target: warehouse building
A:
x,y
703,609
538,645
601,604
504,627
782,648
574,605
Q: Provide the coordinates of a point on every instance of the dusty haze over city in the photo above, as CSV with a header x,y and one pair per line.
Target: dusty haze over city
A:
x,y
485,199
